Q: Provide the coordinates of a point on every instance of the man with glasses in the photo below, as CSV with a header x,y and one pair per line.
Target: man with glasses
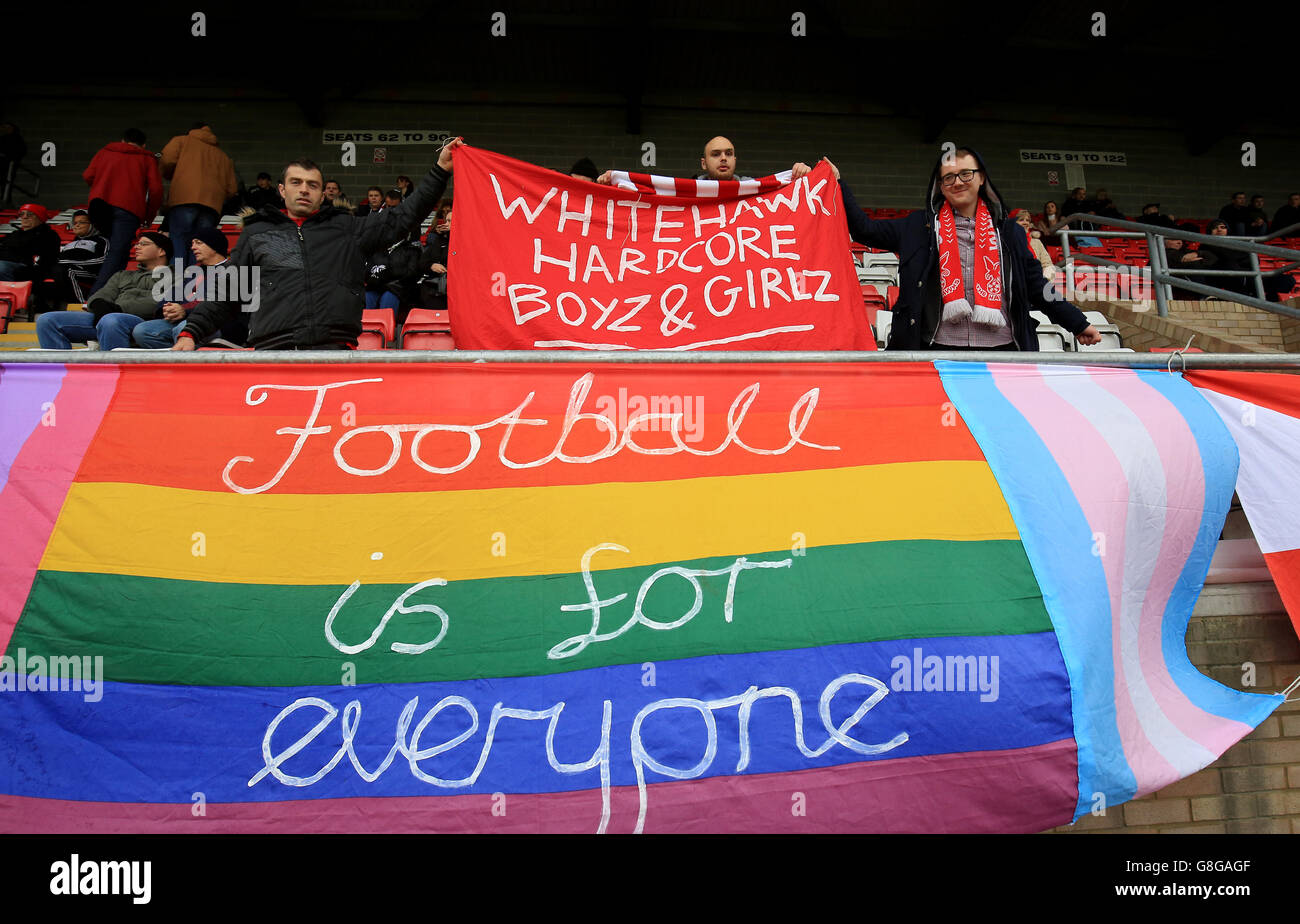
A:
x,y
967,280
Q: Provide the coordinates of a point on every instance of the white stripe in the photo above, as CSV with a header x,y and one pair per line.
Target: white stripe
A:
x,y
706,189
1269,444
545,344
1144,533
664,185
749,187
620,180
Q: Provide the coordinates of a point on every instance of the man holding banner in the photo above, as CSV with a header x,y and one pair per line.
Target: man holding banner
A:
x,y
967,280
650,262
308,262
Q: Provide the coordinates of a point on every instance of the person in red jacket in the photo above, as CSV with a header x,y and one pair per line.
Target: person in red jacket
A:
x,y
125,192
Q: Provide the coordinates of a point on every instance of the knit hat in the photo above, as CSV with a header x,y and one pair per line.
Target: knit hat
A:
x,y
39,211
161,240
214,239
585,168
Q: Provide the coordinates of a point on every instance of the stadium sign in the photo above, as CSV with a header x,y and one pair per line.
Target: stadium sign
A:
x,y
1099,158
385,136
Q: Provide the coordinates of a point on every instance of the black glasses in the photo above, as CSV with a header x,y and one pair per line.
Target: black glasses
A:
x,y
964,175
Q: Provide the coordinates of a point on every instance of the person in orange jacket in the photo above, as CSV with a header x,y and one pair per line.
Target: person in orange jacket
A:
x,y
203,178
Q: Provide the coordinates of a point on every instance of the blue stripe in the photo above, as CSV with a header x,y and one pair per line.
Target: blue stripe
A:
x,y
153,743
1220,459
1058,543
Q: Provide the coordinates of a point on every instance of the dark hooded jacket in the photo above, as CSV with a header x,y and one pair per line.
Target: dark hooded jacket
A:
x,y
920,305
311,278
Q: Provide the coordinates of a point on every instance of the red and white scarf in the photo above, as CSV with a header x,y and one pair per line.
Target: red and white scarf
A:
x,y
987,270
695,189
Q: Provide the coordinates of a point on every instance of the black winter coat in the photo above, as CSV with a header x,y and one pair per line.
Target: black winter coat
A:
x,y
312,278
920,305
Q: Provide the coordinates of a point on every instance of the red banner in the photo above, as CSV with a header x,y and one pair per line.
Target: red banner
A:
x,y
543,261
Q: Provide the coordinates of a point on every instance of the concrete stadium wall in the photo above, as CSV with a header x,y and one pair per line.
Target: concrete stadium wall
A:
x,y
879,153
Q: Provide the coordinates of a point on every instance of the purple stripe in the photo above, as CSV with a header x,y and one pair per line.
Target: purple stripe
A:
x,y
24,393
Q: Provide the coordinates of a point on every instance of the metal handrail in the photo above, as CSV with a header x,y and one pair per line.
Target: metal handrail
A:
x,y
1163,276
1241,361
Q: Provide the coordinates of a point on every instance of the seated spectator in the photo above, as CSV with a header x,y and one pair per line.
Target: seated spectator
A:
x,y
334,196
264,193
1222,258
392,199
79,261
1078,201
1257,221
391,274
432,286
1178,257
1102,205
1287,216
1047,225
1237,215
374,202
1151,215
404,185
127,299
1036,247
211,249
31,252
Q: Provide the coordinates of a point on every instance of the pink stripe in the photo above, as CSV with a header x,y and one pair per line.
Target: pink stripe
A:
x,y
39,481
1099,483
1184,499
1020,790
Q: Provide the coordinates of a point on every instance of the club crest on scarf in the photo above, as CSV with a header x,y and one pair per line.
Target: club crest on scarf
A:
x,y
988,270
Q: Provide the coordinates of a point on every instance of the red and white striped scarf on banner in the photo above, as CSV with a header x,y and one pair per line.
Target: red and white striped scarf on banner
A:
x,y
695,189
987,269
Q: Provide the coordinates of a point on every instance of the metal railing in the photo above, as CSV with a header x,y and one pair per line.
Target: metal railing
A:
x,y
1283,362
1163,277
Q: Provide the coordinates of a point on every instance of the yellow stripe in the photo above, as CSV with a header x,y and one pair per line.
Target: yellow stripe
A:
x,y
113,528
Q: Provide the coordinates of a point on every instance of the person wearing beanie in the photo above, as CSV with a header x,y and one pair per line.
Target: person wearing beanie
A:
x,y
31,252
126,300
584,170
211,249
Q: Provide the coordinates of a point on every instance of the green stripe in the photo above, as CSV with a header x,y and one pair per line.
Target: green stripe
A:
x,y
151,630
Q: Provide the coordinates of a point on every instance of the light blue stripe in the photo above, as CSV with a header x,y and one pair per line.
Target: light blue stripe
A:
x,y
26,392
1058,543
1219,457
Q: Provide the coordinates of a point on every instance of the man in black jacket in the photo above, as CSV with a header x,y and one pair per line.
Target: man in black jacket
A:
x,y
1000,288
31,252
310,263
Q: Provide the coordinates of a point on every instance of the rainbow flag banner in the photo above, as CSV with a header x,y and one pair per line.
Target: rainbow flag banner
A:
x,y
602,598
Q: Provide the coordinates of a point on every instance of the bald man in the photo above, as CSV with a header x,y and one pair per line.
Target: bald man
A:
x,y
718,161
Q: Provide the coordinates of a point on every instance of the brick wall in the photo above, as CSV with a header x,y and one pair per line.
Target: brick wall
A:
x,y
1254,788
879,152
1143,330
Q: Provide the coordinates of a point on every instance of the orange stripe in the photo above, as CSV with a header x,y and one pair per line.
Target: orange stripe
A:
x,y
875,416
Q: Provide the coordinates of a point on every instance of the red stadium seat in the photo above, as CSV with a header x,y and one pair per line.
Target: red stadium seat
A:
x,y
427,319
20,292
427,340
371,340
380,321
891,294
